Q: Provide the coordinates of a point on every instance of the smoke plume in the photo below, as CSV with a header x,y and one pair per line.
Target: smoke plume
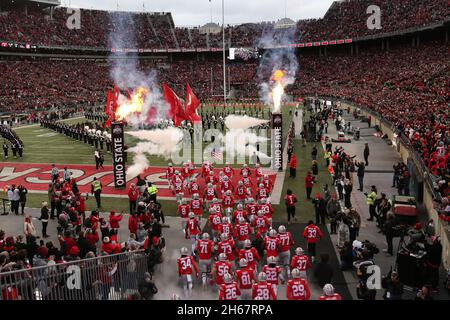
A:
x,y
126,74
242,122
276,59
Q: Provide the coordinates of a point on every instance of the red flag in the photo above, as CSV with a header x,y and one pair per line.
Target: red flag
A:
x,y
176,109
192,104
111,106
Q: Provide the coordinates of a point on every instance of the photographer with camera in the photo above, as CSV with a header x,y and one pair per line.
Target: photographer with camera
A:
x,y
393,286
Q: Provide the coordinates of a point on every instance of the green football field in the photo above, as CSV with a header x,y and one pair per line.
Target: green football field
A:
x,y
47,146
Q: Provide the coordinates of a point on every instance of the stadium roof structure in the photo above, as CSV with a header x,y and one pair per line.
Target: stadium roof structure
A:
x,y
284,23
210,27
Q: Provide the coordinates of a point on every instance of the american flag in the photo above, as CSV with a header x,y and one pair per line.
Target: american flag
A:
x,y
217,155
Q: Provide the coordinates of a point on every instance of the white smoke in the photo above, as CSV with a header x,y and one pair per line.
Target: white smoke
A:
x,y
126,74
160,142
276,59
140,164
239,140
242,122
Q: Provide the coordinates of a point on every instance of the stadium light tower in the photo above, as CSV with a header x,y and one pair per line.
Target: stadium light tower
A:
x,y
223,49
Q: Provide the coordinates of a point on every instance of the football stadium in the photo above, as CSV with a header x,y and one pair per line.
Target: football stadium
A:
x,y
301,157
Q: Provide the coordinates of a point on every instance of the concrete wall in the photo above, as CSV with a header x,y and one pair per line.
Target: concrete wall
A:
x,y
442,229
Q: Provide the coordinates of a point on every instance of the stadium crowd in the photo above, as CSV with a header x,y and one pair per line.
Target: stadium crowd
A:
x,y
157,30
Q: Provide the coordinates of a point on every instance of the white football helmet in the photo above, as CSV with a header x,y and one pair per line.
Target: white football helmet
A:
x,y
205,236
271,260
222,257
227,278
243,263
295,273
299,251
272,233
281,229
247,244
184,251
328,289
262,276
191,215
224,236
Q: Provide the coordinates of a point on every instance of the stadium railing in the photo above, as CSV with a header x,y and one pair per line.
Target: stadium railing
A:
x,y
111,277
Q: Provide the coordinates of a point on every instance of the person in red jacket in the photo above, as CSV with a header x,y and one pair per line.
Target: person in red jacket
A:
x,y
293,166
312,234
309,183
110,247
297,288
133,194
114,220
133,222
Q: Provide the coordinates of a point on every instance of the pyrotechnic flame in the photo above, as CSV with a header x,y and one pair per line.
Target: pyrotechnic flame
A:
x,y
133,105
277,90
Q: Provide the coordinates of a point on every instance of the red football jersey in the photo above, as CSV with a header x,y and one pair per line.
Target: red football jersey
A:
x,y
215,220
263,291
267,209
241,192
196,206
186,265
183,210
170,171
252,208
312,233
237,214
194,187
335,296
262,193
210,193
245,277
204,249
272,273
271,245
246,171
302,262
193,227
298,289
221,268
226,227
226,247
261,224
242,231
228,201
286,241
251,255
229,171
229,291
217,207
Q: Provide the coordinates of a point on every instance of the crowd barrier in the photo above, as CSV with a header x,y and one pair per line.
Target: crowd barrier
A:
x,y
112,277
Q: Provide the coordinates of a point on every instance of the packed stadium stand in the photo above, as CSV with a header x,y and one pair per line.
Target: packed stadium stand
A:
x,y
344,19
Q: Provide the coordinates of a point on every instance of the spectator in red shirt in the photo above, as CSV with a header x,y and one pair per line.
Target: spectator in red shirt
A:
x,y
133,194
293,166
